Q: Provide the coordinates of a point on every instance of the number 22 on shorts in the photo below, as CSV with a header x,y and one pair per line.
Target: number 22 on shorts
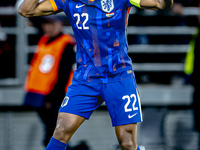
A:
x,y
126,109
128,98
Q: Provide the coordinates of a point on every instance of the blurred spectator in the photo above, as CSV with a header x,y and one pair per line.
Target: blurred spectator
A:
x,y
192,63
177,9
50,73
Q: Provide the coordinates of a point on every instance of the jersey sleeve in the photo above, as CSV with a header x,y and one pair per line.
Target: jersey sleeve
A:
x,y
58,5
134,3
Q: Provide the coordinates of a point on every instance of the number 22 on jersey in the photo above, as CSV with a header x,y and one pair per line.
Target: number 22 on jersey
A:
x,y
78,19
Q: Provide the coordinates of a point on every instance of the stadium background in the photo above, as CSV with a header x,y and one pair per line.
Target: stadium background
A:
x,y
158,42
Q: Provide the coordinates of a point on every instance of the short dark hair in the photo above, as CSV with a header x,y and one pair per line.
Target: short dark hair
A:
x,y
52,19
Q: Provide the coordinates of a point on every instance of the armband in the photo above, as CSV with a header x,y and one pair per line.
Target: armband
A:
x,y
135,3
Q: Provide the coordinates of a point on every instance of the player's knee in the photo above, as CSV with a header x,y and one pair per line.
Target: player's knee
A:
x,y
63,130
127,137
127,142
60,132
128,145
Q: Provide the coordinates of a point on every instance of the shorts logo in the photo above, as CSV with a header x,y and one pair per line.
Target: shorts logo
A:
x,y
107,5
65,101
131,116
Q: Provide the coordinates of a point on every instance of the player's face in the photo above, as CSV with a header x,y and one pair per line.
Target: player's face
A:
x,y
52,29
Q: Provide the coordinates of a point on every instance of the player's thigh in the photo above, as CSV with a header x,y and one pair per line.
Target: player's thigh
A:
x,y
66,125
123,102
127,133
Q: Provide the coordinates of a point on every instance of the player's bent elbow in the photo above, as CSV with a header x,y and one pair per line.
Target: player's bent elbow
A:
x,y
22,12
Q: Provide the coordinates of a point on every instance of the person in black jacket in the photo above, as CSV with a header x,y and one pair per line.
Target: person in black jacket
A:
x,y
52,63
192,63
195,81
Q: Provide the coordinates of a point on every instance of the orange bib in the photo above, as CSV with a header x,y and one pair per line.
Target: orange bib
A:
x,y
43,73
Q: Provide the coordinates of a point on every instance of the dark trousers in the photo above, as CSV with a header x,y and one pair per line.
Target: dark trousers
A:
x,y
49,118
196,108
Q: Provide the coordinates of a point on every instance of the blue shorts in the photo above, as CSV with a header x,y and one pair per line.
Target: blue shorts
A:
x,y
122,100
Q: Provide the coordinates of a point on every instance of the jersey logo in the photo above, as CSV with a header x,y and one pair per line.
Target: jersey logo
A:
x,y
79,6
131,116
65,101
107,5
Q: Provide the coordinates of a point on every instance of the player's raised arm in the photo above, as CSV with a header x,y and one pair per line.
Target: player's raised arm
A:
x,y
30,8
152,4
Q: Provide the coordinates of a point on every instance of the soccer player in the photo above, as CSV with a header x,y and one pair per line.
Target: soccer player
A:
x,y
104,69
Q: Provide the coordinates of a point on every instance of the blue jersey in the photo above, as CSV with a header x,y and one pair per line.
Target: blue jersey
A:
x,y
100,30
